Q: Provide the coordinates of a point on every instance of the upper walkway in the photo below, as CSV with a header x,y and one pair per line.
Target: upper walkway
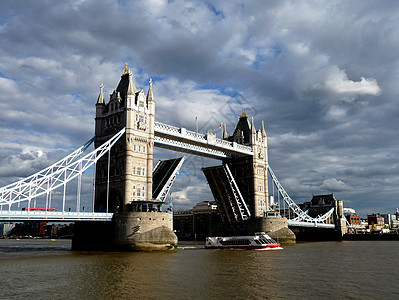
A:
x,y
181,139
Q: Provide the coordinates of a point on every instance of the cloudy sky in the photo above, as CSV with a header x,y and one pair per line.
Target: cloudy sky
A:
x,y
323,75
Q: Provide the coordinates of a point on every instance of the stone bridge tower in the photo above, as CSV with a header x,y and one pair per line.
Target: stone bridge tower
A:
x,y
251,173
130,167
124,178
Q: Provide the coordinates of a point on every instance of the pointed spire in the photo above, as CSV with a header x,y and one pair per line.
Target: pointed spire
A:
x,y
150,94
243,114
126,85
253,130
126,71
225,135
100,99
263,129
131,89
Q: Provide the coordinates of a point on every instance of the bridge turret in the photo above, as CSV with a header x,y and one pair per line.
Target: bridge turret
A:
x,y
100,100
100,108
253,132
263,130
150,141
150,93
225,134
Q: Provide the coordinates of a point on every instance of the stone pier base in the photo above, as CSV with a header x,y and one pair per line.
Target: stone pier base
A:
x,y
144,231
275,227
128,231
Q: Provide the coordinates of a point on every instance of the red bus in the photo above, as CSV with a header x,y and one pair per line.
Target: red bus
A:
x,y
38,209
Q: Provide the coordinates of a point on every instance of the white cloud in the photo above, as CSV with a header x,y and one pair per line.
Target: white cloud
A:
x,y
335,185
7,86
336,112
24,164
339,83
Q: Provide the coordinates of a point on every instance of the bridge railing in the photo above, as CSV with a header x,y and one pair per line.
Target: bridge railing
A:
x,y
208,140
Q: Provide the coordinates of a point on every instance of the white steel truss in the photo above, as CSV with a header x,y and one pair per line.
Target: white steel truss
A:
x,y
166,188
302,218
245,214
59,174
51,169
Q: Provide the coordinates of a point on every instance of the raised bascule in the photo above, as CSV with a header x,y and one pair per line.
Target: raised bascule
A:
x,y
132,192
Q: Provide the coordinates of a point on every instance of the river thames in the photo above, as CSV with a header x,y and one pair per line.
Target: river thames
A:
x,y
45,269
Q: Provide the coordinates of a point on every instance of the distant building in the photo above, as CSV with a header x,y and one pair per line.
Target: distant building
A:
x,y
394,221
319,205
183,224
41,229
353,220
376,222
5,228
352,217
390,220
195,224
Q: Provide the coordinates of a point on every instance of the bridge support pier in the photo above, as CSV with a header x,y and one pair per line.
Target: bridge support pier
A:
x,y
128,231
144,231
275,227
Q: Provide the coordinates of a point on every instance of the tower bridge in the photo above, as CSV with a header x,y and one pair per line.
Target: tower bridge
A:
x,y
130,191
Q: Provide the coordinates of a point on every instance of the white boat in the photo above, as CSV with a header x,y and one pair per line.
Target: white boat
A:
x,y
258,241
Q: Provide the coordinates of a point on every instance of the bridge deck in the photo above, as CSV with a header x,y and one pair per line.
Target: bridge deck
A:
x,y
50,216
310,224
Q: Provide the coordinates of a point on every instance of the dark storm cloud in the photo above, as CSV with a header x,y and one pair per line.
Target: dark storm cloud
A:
x,y
322,75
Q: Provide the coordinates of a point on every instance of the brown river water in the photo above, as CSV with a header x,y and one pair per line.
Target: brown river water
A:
x,y
45,269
